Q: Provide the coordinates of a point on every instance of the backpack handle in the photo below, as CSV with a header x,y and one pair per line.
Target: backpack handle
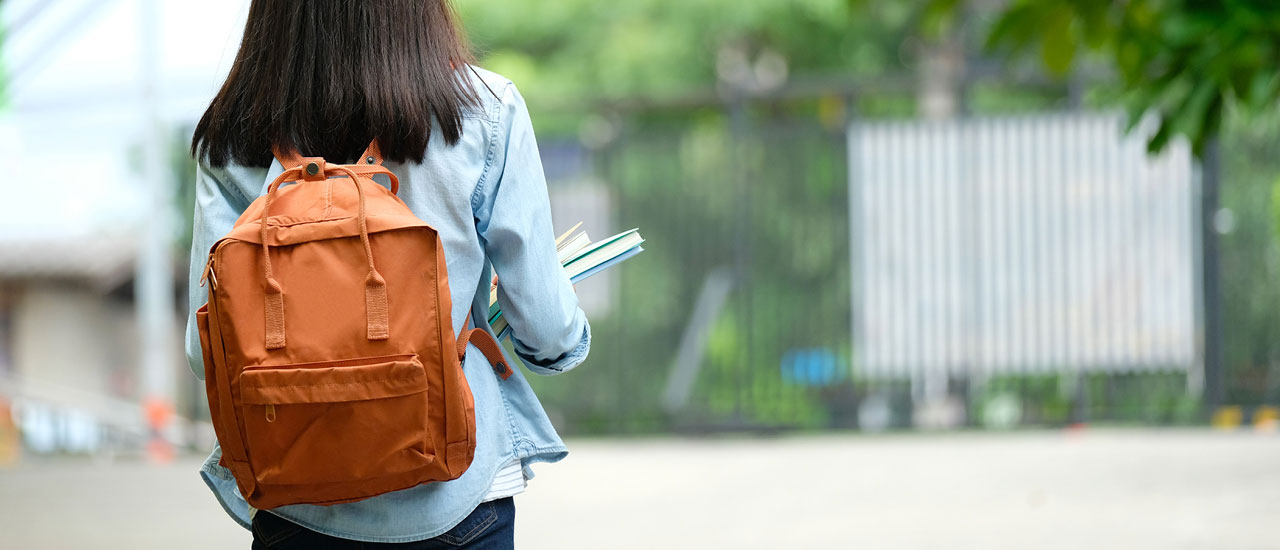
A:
x,y
375,289
370,163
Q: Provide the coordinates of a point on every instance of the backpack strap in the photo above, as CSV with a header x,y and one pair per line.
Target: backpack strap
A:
x,y
486,344
370,163
291,158
372,154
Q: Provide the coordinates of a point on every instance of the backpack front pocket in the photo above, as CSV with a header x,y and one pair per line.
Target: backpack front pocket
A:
x,y
335,421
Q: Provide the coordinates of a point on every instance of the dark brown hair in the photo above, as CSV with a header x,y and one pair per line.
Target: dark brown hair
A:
x,y
326,77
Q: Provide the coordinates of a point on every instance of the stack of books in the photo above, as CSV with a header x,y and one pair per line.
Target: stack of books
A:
x,y
581,259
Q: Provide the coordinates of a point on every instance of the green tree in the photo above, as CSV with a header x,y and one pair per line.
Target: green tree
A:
x,y
569,55
1185,60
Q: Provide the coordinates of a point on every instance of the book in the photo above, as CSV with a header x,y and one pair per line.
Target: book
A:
x,y
581,259
597,254
571,248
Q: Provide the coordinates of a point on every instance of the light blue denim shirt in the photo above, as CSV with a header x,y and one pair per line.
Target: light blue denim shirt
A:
x,y
487,197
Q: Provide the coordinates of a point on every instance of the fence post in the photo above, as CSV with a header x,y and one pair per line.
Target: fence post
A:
x,y
855,220
1211,278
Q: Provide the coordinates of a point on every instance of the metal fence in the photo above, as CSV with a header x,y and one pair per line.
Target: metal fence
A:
x,y
1033,270
1047,243
738,312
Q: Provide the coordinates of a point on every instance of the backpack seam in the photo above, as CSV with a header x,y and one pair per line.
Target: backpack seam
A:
x,y
332,384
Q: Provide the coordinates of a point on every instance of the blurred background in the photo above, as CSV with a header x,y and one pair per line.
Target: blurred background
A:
x,y
957,273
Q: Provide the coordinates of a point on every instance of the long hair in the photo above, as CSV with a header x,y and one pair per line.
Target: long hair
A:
x,y
326,77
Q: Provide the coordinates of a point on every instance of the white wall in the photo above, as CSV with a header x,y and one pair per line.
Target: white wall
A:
x,y
73,338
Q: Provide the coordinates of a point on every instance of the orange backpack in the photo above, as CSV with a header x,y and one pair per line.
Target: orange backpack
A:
x,y
331,365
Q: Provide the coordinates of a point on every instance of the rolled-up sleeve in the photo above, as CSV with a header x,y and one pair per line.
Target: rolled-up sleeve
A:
x,y
549,331
216,211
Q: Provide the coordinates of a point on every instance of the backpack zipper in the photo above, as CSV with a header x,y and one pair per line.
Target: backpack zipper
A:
x,y
271,413
209,274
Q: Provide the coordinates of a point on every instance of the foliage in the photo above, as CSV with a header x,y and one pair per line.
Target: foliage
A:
x,y
569,54
1184,60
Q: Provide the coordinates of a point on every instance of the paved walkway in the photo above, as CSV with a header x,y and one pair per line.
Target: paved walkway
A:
x,y
1128,490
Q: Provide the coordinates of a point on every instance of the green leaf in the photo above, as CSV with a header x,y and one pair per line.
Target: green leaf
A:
x,y
1192,115
1160,139
1275,206
1263,91
938,17
1058,47
1012,30
1135,110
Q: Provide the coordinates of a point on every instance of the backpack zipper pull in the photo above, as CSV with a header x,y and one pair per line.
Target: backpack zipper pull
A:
x,y
208,274
271,413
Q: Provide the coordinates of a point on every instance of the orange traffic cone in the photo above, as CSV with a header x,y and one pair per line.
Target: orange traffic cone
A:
x,y
10,442
159,413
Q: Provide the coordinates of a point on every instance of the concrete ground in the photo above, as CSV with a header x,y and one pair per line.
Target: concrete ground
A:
x,y
1126,490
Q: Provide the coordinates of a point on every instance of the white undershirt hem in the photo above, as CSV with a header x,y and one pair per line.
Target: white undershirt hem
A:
x,y
509,482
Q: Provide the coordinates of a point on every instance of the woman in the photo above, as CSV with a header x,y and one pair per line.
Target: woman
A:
x,y
326,78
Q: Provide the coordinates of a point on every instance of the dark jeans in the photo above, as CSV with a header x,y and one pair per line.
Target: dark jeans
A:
x,y
492,526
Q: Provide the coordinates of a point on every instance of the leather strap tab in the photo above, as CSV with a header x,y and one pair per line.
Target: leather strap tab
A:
x,y
492,351
375,307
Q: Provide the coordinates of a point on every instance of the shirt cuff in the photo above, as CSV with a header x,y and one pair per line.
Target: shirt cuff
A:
x,y
561,364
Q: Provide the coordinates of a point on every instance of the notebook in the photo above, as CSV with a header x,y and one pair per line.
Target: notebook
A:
x,y
581,259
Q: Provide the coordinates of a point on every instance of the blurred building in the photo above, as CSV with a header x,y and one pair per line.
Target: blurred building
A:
x,y
90,267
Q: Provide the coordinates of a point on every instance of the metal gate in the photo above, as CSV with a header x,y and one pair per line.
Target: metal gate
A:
x,y
1020,244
